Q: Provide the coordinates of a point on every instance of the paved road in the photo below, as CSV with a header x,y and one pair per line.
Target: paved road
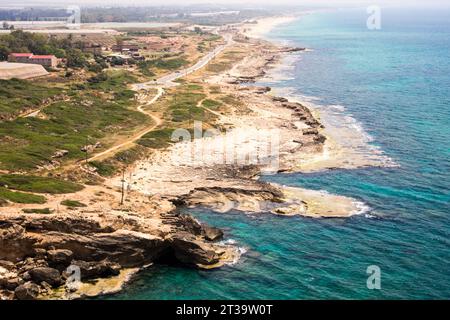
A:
x,y
167,80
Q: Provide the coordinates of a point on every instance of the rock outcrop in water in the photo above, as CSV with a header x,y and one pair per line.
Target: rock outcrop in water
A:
x,y
35,250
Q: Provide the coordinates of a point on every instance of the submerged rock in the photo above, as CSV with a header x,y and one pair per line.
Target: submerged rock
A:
x,y
212,233
193,252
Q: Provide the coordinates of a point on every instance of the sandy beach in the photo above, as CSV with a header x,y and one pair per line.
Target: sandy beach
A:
x,y
265,25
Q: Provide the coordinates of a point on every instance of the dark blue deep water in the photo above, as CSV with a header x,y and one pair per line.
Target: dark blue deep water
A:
x,y
396,83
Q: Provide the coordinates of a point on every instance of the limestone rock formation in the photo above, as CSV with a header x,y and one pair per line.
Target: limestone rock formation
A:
x,y
35,250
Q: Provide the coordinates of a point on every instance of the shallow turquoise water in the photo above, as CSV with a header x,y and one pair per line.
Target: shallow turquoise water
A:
x,y
396,83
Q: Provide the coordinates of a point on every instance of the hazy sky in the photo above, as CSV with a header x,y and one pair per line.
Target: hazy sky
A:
x,y
9,3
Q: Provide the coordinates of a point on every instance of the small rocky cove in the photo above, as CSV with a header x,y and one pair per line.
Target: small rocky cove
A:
x,y
35,251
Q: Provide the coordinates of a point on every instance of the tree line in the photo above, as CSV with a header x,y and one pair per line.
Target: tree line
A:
x,y
20,41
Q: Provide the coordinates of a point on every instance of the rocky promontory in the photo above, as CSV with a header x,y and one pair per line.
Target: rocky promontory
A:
x,y
38,253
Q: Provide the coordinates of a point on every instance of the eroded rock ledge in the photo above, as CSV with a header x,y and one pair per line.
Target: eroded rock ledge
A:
x,y
36,250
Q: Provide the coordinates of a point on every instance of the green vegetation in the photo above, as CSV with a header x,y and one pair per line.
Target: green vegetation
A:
x,y
38,184
144,68
19,197
130,155
157,139
20,41
211,104
103,168
225,62
16,96
110,166
40,211
73,204
183,106
194,87
230,100
213,38
166,64
112,81
75,58
95,110
160,139
217,67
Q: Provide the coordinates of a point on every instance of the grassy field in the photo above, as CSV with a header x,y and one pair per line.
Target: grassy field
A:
x,y
157,139
211,104
37,184
224,62
19,197
16,96
148,67
103,168
96,112
184,107
180,108
117,162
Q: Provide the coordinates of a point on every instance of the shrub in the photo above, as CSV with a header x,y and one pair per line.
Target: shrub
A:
x,y
103,168
40,211
38,184
73,204
20,197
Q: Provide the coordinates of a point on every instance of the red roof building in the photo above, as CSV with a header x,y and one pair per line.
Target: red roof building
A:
x,y
43,60
21,55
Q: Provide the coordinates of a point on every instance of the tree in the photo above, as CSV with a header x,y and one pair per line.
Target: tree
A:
x,y
4,52
5,25
95,67
75,58
117,61
101,77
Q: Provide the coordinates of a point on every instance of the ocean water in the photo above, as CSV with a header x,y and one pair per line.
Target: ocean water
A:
x,y
394,85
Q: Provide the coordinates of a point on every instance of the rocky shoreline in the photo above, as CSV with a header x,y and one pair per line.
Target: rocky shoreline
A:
x,y
108,243
221,186
36,251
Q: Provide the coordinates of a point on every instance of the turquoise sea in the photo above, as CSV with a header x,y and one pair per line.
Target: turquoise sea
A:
x,y
395,83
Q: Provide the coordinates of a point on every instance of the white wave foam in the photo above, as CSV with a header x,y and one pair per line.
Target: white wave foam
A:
x,y
283,71
239,250
340,125
228,242
337,107
361,208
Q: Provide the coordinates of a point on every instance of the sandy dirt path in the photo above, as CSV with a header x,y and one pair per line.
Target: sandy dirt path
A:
x,y
163,81
140,134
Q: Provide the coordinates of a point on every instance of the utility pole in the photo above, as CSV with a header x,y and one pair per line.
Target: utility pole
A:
x,y
123,187
129,183
87,149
